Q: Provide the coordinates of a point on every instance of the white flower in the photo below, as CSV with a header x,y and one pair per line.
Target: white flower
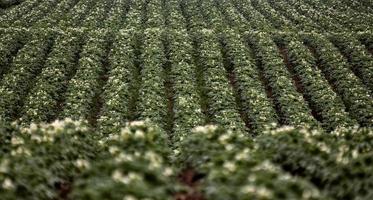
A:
x,y
139,134
137,123
129,197
113,149
119,177
122,157
176,152
264,192
17,140
58,125
33,127
20,150
205,129
223,139
258,191
155,160
355,153
247,189
37,138
229,147
69,120
283,129
82,164
199,129
323,147
242,155
4,165
8,184
230,166
266,166
167,171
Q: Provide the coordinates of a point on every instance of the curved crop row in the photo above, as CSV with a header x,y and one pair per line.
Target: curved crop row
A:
x,y
116,16
26,66
322,19
292,106
232,170
277,20
77,14
72,161
155,14
84,86
40,161
233,19
222,105
341,13
133,164
35,14
60,10
187,109
339,164
14,13
323,99
353,93
360,6
256,20
195,19
96,16
255,102
134,19
11,43
361,62
176,20
44,98
116,93
211,15
301,22
152,93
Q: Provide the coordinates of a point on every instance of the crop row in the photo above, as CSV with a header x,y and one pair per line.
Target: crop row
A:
x,y
42,101
27,64
68,154
247,80
70,160
339,164
327,104
353,92
261,15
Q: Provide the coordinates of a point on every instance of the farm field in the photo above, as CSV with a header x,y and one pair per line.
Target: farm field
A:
x,y
186,99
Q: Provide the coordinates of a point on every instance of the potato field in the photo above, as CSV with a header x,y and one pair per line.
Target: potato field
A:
x,y
186,99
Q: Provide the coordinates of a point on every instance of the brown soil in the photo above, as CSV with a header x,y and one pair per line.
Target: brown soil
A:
x,y
233,82
98,101
289,66
190,178
64,189
297,81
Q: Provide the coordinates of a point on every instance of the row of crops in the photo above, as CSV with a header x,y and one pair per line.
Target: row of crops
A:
x,y
268,15
249,83
68,160
179,80
186,99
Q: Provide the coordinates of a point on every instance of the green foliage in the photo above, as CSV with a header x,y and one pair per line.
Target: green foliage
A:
x,y
37,160
50,161
133,165
338,163
246,67
8,3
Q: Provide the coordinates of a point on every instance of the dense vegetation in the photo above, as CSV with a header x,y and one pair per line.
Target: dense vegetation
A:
x,y
186,99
